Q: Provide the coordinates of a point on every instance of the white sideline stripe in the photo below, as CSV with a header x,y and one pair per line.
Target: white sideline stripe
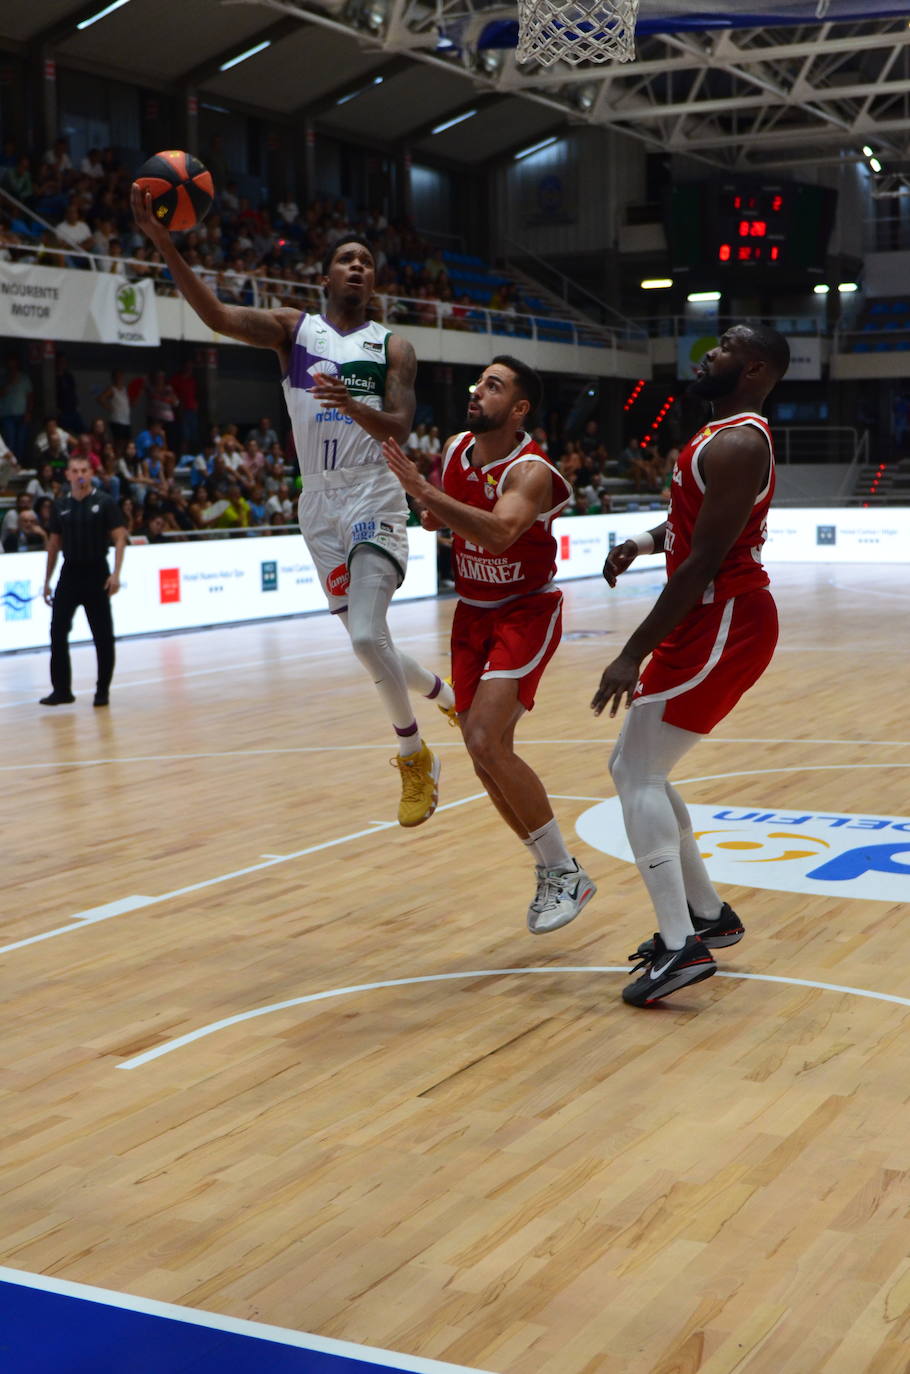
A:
x,y
180,1041
443,744
238,1326
118,908
124,904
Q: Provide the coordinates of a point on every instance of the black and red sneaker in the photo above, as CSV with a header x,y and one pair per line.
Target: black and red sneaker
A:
x,y
726,930
667,970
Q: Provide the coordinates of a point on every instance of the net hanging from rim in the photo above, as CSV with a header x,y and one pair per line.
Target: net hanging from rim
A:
x,y
576,31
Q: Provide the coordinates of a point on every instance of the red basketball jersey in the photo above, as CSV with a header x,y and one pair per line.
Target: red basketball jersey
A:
x,y
741,570
491,579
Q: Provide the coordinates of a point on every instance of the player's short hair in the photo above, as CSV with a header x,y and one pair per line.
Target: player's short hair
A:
x,y
769,345
529,384
329,256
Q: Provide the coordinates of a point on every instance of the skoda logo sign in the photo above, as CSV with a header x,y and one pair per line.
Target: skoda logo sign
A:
x,y
130,304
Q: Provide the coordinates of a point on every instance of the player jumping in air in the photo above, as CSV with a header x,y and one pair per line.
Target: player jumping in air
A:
x,y
711,634
499,498
349,385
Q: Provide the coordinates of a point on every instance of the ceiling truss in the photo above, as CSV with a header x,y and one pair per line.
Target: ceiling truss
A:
x,y
746,100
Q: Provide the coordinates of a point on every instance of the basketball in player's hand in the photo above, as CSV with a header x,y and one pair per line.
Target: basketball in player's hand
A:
x,y
180,187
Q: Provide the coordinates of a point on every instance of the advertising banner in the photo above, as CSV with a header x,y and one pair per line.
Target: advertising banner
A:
x,y
125,312
176,586
805,358
38,302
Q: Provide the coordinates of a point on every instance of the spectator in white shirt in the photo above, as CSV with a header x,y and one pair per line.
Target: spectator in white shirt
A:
x,y
75,231
91,165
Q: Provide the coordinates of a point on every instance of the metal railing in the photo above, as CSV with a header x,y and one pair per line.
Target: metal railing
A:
x,y
624,329
839,444
685,326
254,288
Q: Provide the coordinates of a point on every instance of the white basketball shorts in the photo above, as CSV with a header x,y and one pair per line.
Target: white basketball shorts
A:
x,y
351,506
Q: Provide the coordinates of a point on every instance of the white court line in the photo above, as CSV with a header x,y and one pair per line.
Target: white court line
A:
x,y
191,1316
803,768
443,744
125,904
181,1040
343,649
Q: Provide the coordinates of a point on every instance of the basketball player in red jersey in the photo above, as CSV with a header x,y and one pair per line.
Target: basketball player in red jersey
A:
x,y
499,497
711,635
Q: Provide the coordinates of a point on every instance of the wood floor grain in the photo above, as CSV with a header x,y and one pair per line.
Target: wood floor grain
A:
x,y
514,1172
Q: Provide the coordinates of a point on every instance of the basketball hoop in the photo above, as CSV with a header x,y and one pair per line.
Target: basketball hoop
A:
x,y
576,31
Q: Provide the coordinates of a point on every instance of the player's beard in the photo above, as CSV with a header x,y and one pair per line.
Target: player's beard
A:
x,y
480,423
715,386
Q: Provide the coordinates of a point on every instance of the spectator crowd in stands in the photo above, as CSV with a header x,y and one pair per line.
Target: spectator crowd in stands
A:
x,y
246,253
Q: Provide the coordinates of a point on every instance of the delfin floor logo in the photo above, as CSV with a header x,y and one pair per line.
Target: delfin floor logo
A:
x,y
17,600
833,854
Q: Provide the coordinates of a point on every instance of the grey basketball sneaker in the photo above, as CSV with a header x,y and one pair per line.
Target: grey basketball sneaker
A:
x,y
561,895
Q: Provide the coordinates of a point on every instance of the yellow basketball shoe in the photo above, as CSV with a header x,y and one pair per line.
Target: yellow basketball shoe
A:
x,y
419,785
449,712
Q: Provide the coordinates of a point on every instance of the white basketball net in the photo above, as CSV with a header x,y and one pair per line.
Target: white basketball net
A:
x,y
576,31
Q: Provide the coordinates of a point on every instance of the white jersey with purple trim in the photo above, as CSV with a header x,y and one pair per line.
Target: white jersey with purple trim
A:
x,y
326,439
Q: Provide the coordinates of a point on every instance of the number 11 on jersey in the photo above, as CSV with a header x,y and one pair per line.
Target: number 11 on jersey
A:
x,y
329,453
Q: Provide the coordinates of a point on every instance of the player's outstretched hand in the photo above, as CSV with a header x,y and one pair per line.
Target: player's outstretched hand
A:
x,y
619,680
141,204
619,559
400,465
332,393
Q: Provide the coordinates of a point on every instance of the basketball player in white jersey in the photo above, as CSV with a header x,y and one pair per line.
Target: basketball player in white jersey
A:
x,y
710,635
349,385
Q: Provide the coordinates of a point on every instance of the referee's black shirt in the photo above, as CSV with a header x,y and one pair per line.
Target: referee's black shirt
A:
x,y
85,527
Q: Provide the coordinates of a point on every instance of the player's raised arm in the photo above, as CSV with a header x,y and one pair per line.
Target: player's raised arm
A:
x,y
260,327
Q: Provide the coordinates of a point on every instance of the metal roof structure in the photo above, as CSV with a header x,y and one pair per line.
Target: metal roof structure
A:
x,y
768,89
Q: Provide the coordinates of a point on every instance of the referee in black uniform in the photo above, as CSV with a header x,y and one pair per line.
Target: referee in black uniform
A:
x,y
83,525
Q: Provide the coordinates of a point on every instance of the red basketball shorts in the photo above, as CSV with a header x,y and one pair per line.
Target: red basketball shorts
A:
x,y
714,655
512,641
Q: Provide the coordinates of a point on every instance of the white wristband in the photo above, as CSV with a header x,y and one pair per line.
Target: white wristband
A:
x,y
645,542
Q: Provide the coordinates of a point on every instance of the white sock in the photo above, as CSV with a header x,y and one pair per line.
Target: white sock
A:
x,y
409,741
549,847
662,874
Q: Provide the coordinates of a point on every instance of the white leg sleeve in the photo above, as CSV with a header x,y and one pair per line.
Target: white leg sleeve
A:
x,y
645,752
373,583
700,891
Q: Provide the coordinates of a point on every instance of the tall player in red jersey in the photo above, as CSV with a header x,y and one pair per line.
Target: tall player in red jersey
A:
x,y
711,635
500,496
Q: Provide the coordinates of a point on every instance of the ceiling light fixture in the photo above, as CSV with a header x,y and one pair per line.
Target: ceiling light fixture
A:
x,y
536,147
450,123
242,57
108,9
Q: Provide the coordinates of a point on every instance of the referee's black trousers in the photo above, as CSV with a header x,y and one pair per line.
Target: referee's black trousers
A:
x,y
82,585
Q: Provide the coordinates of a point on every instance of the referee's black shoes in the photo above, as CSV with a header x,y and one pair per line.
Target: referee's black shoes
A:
x,y
101,699
57,699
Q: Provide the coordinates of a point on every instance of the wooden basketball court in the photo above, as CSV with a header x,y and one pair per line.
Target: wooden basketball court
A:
x,y
422,1128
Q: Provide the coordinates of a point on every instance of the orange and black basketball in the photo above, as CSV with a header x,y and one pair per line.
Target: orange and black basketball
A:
x,y
180,187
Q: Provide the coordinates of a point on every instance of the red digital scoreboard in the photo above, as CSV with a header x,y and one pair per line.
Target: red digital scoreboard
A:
x,y
741,224
752,227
